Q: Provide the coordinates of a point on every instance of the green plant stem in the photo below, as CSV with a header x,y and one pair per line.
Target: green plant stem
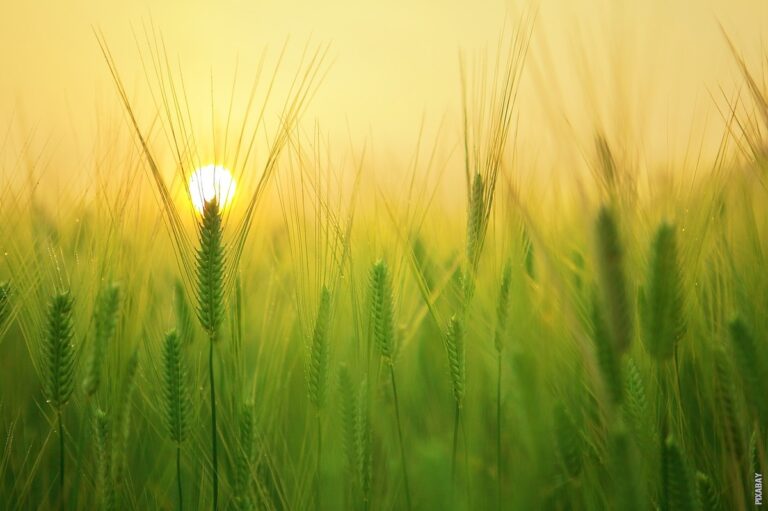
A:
x,y
61,459
455,443
498,433
178,475
400,436
214,449
319,458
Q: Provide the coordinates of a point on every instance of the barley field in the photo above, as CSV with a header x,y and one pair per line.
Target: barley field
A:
x,y
235,309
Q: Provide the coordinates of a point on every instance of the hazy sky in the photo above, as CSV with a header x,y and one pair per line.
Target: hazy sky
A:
x,y
647,67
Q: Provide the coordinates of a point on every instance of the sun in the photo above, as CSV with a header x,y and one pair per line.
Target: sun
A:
x,y
209,182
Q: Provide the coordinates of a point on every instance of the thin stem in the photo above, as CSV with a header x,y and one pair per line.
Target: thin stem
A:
x,y
319,458
400,436
61,459
498,433
178,475
214,450
455,442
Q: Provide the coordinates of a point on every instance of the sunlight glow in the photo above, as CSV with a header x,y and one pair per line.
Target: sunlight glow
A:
x,y
211,181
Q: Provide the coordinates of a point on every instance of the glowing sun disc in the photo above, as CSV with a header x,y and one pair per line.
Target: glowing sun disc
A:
x,y
209,182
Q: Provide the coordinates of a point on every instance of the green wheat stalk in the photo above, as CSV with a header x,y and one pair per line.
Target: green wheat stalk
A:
x,y
243,498
176,397
502,316
59,363
210,307
661,303
105,322
383,324
679,494
454,343
104,479
317,373
612,281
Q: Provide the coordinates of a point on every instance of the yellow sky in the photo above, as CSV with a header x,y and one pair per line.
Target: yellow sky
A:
x,y
641,68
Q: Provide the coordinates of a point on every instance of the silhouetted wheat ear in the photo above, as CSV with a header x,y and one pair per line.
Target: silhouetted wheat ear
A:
x,y
58,351
661,303
210,270
568,440
317,368
678,488
612,281
382,314
475,219
750,367
175,390
454,341
502,307
608,359
105,321
104,482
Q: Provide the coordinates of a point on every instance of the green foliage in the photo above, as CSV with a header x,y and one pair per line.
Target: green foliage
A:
x,y
184,315
175,391
661,306
5,302
59,352
363,444
317,367
710,500
121,427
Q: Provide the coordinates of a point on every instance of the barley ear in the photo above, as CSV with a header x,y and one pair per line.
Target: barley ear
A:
x,y
244,498
454,342
502,307
104,482
662,306
122,418
749,364
475,220
175,390
317,368
608,360
58,351
382,314
710,499
210,270
105,322
568,440
724,394
679,491
612,281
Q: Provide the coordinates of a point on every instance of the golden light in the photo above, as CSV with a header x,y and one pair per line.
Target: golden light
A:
x,y
209,182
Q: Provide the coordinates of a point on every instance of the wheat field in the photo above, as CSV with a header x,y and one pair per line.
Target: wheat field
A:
x,y
252,315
